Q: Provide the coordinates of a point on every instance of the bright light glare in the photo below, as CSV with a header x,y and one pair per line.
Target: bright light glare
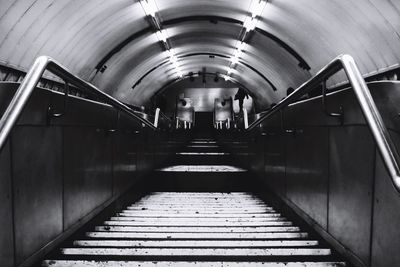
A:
x,y
234,60
171,53
256,8
162,36
149,7
237,53
202,168
240,46
250,24
174,60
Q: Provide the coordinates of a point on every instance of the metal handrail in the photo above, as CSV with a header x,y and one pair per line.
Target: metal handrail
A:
x,y
371,113
162,114
32,78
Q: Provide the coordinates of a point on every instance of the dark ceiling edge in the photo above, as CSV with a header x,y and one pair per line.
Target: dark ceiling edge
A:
x,y
206,54
302,63
213,19
121,45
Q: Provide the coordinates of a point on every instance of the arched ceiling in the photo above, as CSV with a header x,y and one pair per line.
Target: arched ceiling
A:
x,y
291,42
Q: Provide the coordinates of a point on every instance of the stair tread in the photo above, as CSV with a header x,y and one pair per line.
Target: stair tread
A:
x,y
243,215
198,219
164,235
229,229
196,243
183,229
83,263
196,208
199,224
198,251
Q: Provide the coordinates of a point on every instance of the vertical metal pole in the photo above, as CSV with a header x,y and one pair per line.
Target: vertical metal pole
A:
x,y
245,118
156,117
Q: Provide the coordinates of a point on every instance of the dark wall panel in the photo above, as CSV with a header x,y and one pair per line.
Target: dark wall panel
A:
x,y
352,156
307,172
257,162
88,171
275,163
6,220
54,174
37,172
125,161
362,215
386,233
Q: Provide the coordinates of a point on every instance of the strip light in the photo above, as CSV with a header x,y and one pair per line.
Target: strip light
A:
x,y
149,7
257,7
241,46
174,61
162,36
249,24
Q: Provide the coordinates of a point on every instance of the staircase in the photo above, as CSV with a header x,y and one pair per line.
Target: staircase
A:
x,y
197,228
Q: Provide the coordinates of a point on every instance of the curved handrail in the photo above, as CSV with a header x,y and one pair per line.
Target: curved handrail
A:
x,y
371,113
162,114
33,76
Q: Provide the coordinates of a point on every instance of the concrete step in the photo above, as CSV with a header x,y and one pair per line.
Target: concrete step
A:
x,y
237,215
182,252
196,243
202,208
183,229
202,168
202,148
198,211
200,219
203,142
194,200
108,263
163,235
202,194
196,229
199,224
203,159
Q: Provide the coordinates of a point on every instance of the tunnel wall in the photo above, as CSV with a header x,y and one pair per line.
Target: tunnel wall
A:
x,y
55,176
86,36
333,176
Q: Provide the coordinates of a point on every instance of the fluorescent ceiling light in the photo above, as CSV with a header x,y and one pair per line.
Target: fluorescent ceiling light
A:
x,y
250,24
162,36
240,46
237,53
171,52
234,60
173,59
149,7
256,8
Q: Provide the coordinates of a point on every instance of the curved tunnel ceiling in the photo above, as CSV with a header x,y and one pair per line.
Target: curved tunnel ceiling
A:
x,y
86,35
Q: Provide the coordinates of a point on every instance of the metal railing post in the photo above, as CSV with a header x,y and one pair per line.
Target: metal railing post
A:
x,y
371,113
156,117
245,118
